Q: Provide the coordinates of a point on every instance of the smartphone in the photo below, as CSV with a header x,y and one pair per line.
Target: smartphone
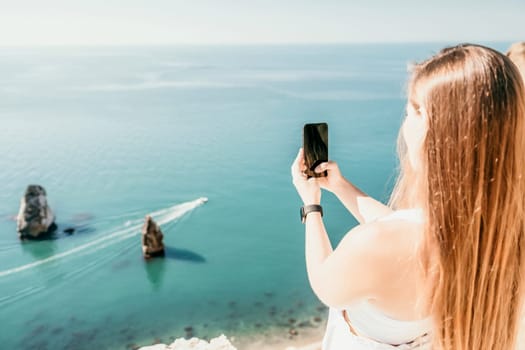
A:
x,y
315,147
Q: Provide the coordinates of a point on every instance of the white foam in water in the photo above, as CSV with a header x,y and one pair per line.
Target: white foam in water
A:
x,y
162,217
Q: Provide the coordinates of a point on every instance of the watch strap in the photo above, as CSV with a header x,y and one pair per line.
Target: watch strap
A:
x,y
311,208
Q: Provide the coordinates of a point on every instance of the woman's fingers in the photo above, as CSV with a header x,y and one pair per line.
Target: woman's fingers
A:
x,y
298,165
330,165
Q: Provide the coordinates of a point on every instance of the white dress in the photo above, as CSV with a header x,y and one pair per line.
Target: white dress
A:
x,y
377,331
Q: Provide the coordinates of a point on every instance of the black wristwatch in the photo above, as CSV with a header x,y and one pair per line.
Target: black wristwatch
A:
x,y
306,209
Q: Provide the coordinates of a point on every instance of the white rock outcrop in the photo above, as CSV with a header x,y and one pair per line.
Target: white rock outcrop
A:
x,y
219,343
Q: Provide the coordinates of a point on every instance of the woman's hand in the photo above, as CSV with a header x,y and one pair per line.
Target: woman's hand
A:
x,y
334,180
308,189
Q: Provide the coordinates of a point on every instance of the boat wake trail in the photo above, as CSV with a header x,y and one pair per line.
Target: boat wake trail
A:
x,y
130,228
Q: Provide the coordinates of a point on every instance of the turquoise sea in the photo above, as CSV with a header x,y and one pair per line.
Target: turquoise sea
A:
x,y
115,133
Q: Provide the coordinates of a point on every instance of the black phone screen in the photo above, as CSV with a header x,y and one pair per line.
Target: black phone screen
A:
x,y
315,147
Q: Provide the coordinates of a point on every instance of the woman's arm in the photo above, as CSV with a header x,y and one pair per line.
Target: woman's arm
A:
x,y
317,243
356,267
363,207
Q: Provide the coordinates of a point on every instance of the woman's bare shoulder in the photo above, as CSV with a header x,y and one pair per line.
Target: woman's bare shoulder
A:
x,y
390,247
369,253
394,245
391,238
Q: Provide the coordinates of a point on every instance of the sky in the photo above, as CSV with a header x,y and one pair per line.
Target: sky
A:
x,y
166,22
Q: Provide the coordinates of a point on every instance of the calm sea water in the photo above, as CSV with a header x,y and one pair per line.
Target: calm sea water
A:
x,y
116,133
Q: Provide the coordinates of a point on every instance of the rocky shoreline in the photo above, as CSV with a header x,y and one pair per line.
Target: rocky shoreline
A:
x,y
219,343
309,339
285,329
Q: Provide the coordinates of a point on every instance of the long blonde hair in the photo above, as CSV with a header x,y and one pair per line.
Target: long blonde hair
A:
x,y
472,190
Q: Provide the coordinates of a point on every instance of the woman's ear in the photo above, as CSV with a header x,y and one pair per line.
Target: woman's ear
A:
x,y
415,132
422,123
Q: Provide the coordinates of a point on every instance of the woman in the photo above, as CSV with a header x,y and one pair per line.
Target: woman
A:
x,y
442,265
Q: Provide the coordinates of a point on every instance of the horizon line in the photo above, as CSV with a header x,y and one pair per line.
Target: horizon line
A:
x,y
293,43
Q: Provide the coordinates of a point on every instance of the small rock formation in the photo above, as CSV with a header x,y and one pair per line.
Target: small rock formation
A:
x,y
69,230
151,239
189,332
35,217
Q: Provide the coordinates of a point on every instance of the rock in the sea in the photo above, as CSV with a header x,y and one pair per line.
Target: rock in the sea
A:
x,y
151,239
35,217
